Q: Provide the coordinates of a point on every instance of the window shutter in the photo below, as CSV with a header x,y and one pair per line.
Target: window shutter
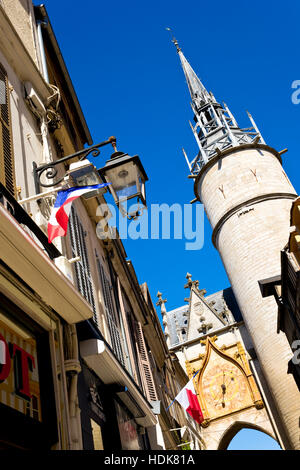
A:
x,y
7,168
106,288
146,373
82,267
116,337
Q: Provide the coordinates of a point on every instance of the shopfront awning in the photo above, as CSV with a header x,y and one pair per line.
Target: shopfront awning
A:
x,y
102,361
25,258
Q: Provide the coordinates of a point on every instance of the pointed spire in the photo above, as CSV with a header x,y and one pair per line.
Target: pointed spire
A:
x,y
216,129
198,92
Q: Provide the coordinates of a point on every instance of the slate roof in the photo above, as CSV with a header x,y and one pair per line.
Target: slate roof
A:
x,y
178,318
226,295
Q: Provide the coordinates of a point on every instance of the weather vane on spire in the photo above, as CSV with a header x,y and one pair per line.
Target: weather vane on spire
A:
x,y
174,40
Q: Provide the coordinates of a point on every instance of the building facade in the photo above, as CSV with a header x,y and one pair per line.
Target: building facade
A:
x,y
247,197
37,300
211,342
83,363
287,293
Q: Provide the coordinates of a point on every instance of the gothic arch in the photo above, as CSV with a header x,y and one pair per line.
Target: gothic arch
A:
x,y
251,396
237,426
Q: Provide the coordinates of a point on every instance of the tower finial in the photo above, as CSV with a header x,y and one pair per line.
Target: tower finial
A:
x,y
190,283
174,40
161,301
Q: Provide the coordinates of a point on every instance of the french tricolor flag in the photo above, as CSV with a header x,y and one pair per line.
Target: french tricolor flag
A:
x,y
188,399
58,222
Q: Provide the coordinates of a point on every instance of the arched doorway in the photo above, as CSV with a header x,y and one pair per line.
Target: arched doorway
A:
x,y
246,436
250,439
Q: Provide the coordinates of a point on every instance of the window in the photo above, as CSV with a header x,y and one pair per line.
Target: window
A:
x,y
28,411
19,352
7,169
113,323
128,429
82,267
143,357
32,408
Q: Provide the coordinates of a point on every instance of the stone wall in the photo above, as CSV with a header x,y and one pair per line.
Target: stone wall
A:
x,y
249,241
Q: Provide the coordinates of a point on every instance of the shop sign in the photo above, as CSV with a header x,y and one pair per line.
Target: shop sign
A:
x,y
19,383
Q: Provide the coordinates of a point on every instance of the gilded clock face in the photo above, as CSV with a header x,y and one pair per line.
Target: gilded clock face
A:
x,y
224,387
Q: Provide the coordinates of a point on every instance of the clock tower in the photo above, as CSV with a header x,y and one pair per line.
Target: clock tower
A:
x,y
213,346
247,197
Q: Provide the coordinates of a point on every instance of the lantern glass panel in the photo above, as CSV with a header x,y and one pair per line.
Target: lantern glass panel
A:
x,y
84,173
124,180
86,179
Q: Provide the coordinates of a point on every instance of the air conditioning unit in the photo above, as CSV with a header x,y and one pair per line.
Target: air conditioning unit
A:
x,y
65,266
35,103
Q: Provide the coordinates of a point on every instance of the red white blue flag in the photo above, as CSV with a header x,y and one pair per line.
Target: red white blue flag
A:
x,y
58,222
188,399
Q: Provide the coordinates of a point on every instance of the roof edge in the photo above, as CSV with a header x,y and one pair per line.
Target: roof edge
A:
x,y
42,9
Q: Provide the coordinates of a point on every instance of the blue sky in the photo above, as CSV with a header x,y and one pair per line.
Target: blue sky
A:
x,y
130,84
250,439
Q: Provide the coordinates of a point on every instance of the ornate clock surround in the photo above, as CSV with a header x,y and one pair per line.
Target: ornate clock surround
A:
x,y
225,383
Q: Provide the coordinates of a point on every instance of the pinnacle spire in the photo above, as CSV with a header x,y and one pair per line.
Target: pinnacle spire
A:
x,y
198,92
190,283
161,303
216,129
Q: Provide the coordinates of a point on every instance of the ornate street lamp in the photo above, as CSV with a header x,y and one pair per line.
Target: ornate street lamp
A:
x,y
84,173
126,175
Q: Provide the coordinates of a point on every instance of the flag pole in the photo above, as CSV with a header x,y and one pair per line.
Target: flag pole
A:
x,y
40,195
175,398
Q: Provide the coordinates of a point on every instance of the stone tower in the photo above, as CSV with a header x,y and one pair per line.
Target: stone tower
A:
x,y
247,198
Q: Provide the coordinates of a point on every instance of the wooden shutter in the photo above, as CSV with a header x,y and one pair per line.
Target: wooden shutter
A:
x,y
7,168
145,368
116,336
82,267
107,292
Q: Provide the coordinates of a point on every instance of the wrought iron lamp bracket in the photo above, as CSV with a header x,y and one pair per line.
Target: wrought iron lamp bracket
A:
x,y
50,170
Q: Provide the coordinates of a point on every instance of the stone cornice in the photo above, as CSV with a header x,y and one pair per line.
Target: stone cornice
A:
x,y
248,202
